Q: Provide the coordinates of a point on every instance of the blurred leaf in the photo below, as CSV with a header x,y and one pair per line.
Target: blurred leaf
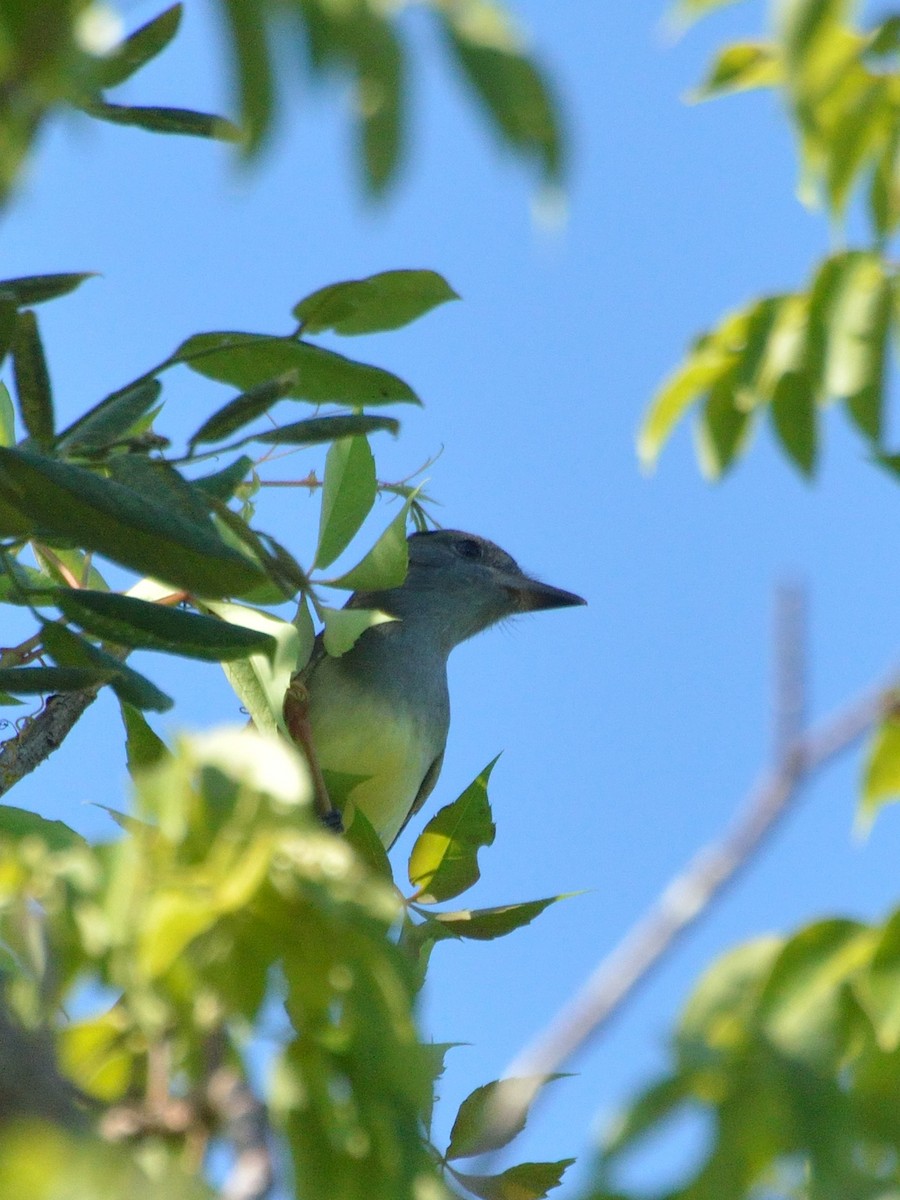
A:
x,y
223,484
8,321
881,775
388,300
36,681
62,565
143,747
95,1055
472,1132
884,190
69,650
158,119
247,28
688,11
126,621
722,431
509,84
244,409
380,80
7,418
19,823
326,429
36,289
857,136
361,835
878,987
113,418
653,1106
444,859
527,1181
486,924
139,48
323,377
385,565
794,417
32,380
131,529
348,493
739,67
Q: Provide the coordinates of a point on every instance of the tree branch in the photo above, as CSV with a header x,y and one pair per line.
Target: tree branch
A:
x,y
41,735
688,896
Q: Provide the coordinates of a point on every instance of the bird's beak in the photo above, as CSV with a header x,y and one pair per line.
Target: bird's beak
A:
x,y
530,595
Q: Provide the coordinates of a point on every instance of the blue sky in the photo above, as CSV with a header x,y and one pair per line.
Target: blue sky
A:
x,y
629,729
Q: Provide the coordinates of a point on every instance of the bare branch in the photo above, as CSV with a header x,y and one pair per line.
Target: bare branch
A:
x,y
41,735
691,892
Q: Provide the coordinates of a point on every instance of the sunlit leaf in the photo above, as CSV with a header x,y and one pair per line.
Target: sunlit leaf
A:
x,y
881,775
527,1181
344,626
348,493
739,67
384,301
385,565
444,859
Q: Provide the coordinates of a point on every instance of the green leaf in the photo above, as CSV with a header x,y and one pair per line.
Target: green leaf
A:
x,y
69,650
261,682
344,626
139,48
385,565
244,409
143,748
326,429
801,1005
158,119
7,418
653,1106
444,859
18,824
857,136
113,418
36,289
723,430
380,87
8,320
510,86
473,1130
361,835
32,380
739,67
223,484
384,301
527,1181
881,775
793,412
126,621
105,516
486,924
688,11
247,27
854,313
348,493
323,377
62,565
37,681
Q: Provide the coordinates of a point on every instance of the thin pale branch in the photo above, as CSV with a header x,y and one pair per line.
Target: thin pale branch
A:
x,y
690,894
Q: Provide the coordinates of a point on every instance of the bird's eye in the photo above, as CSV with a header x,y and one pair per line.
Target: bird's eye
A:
x,y
468,548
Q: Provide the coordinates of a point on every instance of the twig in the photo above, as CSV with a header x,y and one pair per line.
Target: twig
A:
x,y
690,893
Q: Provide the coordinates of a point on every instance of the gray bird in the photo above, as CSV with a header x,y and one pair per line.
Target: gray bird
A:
x,y
379,714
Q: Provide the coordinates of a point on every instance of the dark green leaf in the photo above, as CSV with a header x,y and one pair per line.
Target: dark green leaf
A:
x,y
723,430
315,430
19,583
368,845
157,480
19,823
475,1130
444,859
35,681
384,301
157,119
245,408
247,27
794,416
105,516
35,289
8,320
385,565
380,80
513,92
527,1181
140,624
323,377
32,380
113,418
143,747
139,48
223,484
486,924
348,494
69,650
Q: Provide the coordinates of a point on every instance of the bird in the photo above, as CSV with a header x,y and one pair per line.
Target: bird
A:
x,y
375,720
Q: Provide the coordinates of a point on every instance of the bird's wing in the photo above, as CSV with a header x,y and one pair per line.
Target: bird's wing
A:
x,y
425,789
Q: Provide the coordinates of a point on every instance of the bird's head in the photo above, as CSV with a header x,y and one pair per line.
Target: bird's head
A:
x,y
460,584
